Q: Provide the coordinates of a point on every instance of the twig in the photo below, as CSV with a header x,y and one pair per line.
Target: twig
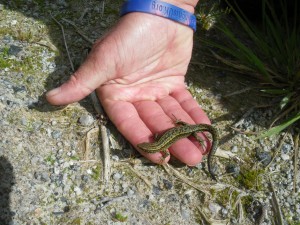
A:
x,y
102,8
170,169
87,141
105,141
65,42
278,149
228,155
78,31
210,221
142,177
239,92
275,204
106,201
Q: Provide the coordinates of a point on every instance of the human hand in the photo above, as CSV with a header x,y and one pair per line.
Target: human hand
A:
x,y
138,71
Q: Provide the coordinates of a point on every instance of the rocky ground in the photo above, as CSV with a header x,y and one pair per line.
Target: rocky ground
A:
x,y
51,158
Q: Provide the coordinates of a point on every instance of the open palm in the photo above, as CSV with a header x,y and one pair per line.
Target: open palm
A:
x,y
138,72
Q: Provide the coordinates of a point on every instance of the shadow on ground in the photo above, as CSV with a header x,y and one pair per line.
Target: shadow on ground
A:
x,y
80,13
6,182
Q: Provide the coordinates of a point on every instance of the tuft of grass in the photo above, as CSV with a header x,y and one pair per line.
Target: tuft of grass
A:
x,y
120,217
270,53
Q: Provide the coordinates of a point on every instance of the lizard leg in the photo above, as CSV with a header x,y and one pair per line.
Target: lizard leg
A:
x,y
200,140
165,153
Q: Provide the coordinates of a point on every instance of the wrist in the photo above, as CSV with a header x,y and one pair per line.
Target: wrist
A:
x,y
182,15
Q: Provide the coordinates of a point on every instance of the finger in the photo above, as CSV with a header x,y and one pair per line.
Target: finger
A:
x,y
158,121
127,120
90,75
192,108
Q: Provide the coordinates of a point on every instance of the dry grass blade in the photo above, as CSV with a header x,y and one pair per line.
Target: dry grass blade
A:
x,y
211,221
108,201
233,64
142,177
78,31
65,42
170,170
105,141
275,204
87,142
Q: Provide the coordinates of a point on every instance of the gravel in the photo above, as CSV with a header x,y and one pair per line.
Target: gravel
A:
x,y
49,177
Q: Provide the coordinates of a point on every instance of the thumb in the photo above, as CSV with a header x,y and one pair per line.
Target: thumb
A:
x,y
90,75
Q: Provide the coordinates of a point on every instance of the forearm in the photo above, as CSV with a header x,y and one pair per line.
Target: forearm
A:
x,y
188,5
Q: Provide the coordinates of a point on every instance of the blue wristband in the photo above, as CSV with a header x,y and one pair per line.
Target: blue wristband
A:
x,y
162,9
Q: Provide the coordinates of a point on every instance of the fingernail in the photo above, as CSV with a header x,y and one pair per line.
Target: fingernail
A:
x,y
53,92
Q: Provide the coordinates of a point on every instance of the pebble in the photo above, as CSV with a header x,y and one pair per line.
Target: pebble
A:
x,y
115,158
185,213
286,148
233,169
234,149
56,134
214,208
14,50
130,192
263,156
117,176
78,191
285,157
167,184
86,120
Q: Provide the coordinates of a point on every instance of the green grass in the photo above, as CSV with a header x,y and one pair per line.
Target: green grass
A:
x,y
270,53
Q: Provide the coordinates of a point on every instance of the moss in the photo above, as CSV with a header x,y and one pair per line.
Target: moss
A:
x,y
119,217
3,58
222,197
80,200
251,179
76,221
96,173
50,159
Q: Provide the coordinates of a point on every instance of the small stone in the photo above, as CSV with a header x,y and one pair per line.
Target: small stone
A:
x,y
172,198
56,170
115,158
185,213
214,208
56,134
14,50
125,186
77,190
234,149
263,156
224,212
285,157
233,169
286,148
130,192
45,176
167,184
117,176
24,121
86,120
